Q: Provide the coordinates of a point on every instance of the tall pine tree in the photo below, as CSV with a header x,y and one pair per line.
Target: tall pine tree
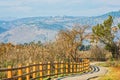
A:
x,y
106,36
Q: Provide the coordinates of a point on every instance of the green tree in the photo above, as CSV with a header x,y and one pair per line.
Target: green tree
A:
x,y
119,25
106,36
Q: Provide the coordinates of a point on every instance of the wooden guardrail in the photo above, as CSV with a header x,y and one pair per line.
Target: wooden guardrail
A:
x,y
45,70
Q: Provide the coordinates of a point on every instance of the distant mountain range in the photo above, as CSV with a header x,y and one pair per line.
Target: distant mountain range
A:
x,y
44,29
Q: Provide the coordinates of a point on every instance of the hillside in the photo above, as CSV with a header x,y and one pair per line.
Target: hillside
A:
x,y
45,28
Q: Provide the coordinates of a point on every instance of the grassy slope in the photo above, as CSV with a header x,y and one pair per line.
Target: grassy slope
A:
x,y
114,70
113,74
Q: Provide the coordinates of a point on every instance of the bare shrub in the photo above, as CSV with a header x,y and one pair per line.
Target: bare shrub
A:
x,y
99,53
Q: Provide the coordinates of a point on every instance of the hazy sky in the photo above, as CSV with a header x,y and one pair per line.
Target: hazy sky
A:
x,y
29,8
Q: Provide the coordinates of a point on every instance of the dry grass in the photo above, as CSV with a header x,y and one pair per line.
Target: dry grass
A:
x,y
113,74
22,54
113,70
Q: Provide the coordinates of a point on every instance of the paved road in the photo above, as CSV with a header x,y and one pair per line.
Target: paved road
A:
x,y
100,71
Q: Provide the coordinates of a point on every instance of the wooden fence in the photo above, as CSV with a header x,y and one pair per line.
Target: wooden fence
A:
x,y
45,70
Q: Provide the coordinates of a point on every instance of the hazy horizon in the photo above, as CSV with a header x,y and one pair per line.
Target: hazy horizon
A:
x,y
34,8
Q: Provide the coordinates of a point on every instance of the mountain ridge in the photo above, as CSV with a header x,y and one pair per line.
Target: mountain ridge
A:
x,y
46,28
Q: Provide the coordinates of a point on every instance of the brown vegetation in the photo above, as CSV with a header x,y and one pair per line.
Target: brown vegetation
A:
x,y
65,47
70,40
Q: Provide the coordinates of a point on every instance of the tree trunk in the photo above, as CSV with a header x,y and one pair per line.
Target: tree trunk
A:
x,y
115,52
112,47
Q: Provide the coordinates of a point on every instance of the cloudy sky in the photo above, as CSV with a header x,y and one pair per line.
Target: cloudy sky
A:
x,y
30,8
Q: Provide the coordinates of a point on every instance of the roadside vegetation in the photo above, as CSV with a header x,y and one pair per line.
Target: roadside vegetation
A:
x,y
113,74
113,67
68,46
106,33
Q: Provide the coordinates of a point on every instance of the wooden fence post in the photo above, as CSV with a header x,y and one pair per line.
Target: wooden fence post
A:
x,y
48,72
82,65
19,72
61,66
66,68
88,65
9,73
78,67
34,69
74,67
56,68
71,66
27,71
41,72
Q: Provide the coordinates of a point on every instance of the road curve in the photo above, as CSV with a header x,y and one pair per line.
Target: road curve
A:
x,y
96,72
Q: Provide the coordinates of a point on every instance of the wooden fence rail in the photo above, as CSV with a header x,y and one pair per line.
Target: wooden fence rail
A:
x,y
45,70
